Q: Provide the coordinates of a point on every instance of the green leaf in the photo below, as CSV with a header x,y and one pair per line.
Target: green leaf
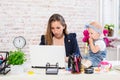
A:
x,y
16,57
109,26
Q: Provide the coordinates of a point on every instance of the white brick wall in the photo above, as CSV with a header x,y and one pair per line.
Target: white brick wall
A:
x,y
29,18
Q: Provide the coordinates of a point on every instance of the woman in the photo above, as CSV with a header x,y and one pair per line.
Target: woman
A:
x,y
56,34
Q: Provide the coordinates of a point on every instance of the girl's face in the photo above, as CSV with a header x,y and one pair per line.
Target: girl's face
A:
x,y
57,29
93,34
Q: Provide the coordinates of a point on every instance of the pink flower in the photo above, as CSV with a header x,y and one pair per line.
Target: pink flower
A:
x,y
105,32
107,40
85,33
86,36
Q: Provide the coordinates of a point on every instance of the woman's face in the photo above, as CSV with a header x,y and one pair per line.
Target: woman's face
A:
x,y
57,29
93,34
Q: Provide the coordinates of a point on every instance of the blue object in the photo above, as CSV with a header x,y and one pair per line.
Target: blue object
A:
x,y
68,69
1,61
94,28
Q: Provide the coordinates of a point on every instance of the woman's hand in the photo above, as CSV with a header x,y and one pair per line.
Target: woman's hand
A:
x,y
66,59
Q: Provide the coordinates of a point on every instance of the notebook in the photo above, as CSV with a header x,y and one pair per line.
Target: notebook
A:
x,y
42,54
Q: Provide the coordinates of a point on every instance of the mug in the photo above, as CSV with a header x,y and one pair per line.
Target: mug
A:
x,y
104,66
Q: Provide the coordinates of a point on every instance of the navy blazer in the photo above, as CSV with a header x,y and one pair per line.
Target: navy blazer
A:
x,y
71,45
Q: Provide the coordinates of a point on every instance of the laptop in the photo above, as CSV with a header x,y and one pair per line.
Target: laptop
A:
x,y
40,55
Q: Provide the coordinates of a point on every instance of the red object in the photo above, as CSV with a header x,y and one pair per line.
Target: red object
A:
x,y
105,32
86,36
1,57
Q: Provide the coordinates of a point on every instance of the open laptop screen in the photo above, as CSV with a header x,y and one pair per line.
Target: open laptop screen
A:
x,y
42,54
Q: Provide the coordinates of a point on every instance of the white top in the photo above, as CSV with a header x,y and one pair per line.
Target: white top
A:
x,y
101,44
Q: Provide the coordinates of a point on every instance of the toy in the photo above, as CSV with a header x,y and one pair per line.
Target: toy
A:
x,y
104,66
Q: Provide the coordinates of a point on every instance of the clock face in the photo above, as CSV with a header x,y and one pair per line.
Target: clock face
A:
x,y
19,42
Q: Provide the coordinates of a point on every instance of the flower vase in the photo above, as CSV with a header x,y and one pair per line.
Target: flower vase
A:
x,y
111,32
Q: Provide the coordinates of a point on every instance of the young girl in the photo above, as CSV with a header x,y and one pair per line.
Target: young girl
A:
x,y
97,46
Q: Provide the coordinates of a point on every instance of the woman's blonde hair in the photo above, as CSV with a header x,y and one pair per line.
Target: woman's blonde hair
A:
x,y
49,35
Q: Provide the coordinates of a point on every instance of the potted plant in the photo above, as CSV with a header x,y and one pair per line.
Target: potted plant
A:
x,y
110,28
16,59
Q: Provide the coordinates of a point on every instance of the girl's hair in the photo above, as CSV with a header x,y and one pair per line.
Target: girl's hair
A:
x,y
49,35
96,25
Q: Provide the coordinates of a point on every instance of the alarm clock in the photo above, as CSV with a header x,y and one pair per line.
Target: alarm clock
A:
x,y
19,42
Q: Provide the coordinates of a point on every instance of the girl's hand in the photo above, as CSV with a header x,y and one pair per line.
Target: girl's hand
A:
x,y
90,40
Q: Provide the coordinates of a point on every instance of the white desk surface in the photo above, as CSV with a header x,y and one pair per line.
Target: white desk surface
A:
x,y
62,75
39,74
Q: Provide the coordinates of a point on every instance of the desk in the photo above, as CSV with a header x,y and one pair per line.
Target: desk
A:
x,y
62,75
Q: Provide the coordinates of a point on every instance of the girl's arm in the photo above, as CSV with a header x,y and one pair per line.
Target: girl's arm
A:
x,y
94,48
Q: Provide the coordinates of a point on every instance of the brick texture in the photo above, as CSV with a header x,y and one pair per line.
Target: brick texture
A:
x,y
28,18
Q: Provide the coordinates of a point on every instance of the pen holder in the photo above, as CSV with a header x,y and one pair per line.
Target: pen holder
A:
x,y
52,69
74,62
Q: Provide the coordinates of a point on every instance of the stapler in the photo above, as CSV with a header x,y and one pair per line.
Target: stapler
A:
x,y
52,69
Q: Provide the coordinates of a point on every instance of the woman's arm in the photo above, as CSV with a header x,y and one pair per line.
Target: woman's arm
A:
x,y
71,46
75,47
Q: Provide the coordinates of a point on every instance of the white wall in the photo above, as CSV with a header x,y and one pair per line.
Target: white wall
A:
x,y
28,18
